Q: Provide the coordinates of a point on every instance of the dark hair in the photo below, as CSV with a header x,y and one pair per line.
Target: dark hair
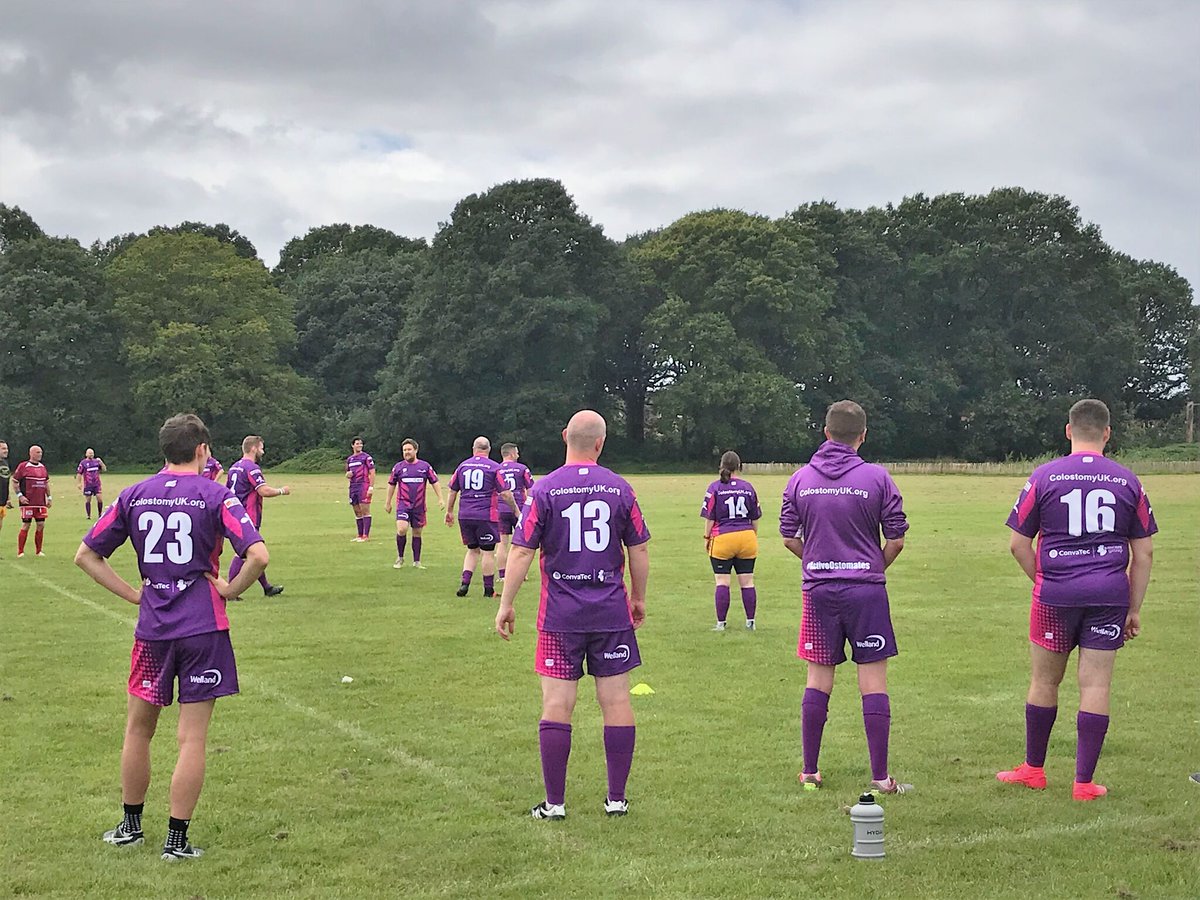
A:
x,y
1088,419
730,463
412,441
507,448
846,421
357,438
180,436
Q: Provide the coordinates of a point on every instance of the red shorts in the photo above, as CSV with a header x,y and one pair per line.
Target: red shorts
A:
x,y
29,513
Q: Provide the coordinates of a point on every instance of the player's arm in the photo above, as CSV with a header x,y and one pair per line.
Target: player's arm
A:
x,y
450,506
639,577
795,545
265,490
104,575
256,559
507,497
49,495
517,568
1141,558
79,479
1023,551
103,467
437,490
387,504
892,548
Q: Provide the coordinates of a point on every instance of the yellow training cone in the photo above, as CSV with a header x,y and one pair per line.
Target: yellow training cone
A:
x,y
641,689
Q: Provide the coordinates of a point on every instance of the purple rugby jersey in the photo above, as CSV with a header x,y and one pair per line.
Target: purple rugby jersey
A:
x,y
410,479
1086,509
176,524
477,481
90,470
732,506
360,466
516,477
580,516
244,479
211,467
839,505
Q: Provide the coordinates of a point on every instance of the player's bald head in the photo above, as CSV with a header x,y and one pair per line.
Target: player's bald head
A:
x,y
35,452
482,445
89,452
586,431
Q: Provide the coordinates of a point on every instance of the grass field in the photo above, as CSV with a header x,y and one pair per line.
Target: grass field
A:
x,y
416,779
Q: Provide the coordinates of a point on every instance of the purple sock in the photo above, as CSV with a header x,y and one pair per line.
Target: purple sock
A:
x,y
814,710
88,506
722,602
402,545
877,720
466,576
500,572
359,523
489,582
1091,729
416,549
1038,722
555,741
618,752
235,566
749,601
366,526
262,580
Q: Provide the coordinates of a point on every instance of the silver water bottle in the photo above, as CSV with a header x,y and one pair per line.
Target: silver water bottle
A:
x,y
867,817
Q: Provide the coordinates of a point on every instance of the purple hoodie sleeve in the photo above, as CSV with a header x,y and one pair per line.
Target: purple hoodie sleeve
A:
x,y
789,513
892,519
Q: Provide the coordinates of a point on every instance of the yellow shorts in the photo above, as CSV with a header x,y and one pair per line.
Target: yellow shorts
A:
x,y
735,545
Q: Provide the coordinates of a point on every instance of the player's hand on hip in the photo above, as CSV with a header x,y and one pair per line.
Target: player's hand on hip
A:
x,y
221,585
1133,625
637,612
506,618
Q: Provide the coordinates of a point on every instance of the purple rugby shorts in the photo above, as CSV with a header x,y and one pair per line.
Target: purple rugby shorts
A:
x,y
203,663
834,613
1060,629
413,515
478,533
561,654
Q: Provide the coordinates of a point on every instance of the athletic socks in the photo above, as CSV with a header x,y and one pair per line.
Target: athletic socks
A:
x,y
489,584
87,505
416,550
262,580
402,545
37,539
721,599
877,720
366,526
1091,729
22,537
814,710
500,574
358,521
554,739
618,754
133,818
1039,720
749,602
177,832
466,578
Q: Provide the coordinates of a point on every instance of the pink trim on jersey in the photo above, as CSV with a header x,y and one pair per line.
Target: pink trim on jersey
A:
x,y
1143,511
495,507
218,605
231,522
1037,580
529,520
1027,504
545,596
105,521
635,516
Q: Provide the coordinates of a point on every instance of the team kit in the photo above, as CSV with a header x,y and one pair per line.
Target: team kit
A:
x,y
1081,530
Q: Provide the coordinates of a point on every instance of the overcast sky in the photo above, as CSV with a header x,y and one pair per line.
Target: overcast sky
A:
x,y
277,116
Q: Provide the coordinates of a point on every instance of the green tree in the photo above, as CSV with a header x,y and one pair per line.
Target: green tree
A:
x,y
737,330
339,240
502,335
59,378
16,225
206,331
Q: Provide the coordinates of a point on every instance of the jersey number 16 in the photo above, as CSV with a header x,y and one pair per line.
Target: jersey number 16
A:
x,y
1096,508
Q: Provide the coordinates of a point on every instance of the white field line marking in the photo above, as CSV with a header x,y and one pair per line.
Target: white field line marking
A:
x,y
399,754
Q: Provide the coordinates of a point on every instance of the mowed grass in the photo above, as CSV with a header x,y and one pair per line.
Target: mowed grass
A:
x,y
416,779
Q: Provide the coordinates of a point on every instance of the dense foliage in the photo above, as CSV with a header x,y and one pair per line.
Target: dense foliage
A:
x,y
966,325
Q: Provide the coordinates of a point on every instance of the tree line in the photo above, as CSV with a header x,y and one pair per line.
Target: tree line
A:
x,y
966,325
